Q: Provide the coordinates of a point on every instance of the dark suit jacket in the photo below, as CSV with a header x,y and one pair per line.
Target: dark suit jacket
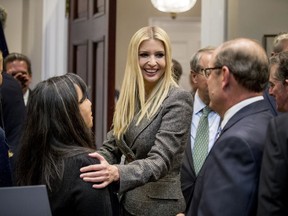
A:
x,y
14,111
227,184
188,176
270,101
74,197
151,183
5,171
3,43
273,186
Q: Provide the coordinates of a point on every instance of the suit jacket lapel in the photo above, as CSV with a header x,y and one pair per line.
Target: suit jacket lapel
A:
x,y
189,157
188,146
136,131
258,106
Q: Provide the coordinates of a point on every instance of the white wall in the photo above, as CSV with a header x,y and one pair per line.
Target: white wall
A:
x,y
33,36
255,18
14,24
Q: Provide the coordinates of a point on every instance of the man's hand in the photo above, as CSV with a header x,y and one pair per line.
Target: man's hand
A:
x,y
22,78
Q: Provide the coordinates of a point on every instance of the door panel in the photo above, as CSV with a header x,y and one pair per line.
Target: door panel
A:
x,y
92,26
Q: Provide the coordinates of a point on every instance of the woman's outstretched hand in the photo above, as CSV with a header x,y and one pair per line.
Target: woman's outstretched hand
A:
x,y
102,174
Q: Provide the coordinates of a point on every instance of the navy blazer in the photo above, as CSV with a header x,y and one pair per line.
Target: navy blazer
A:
x,y
227,184
5,171
273,187
188,175
14,111
270,101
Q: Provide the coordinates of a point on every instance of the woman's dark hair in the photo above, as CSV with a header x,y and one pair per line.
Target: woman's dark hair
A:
x,y
54,130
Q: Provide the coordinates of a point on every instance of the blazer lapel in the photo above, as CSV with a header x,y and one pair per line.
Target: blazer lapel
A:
x,y
189,157
258,106
136,131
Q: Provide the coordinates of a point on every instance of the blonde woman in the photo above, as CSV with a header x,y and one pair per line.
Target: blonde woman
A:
x,y
151,126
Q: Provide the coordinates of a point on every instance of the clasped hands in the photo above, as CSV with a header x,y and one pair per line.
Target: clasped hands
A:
x,y
102,174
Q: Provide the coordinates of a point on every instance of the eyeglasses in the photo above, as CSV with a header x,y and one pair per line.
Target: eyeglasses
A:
x,y
201,71
208,71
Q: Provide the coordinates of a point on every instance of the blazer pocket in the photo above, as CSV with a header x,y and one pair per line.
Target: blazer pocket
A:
x,y
165,190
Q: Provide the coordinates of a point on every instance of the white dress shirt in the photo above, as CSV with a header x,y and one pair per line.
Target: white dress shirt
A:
x,y
26,96
213,119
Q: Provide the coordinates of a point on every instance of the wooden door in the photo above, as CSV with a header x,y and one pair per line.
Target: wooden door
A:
x,y
91,54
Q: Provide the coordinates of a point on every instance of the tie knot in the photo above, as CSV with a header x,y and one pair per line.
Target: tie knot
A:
x,y
206,111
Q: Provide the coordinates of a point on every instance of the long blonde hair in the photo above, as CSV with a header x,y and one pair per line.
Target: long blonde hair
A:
x,y
132,93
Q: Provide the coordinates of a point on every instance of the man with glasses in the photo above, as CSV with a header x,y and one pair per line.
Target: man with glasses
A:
x,y
227,184
280,44
274,171
194,158
278,80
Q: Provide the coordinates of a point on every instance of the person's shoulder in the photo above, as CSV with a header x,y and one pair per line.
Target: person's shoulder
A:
x,y
280,122
179,93
9,79
281,118
80,160
10,84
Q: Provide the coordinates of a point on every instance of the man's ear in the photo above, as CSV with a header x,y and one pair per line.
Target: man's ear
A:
x,y
193,80
226,75
286,83
193,77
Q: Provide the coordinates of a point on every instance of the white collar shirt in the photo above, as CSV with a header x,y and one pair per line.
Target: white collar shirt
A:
x,y
213,120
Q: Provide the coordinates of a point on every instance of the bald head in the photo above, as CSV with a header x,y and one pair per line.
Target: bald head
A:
x,y
247,61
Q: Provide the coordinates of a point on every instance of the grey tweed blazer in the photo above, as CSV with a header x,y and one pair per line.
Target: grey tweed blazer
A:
x,y
150,184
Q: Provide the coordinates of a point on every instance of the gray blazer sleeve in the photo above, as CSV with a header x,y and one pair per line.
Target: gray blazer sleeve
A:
x,y
110,150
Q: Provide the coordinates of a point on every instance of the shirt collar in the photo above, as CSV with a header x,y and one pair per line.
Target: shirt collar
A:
x,y
199,104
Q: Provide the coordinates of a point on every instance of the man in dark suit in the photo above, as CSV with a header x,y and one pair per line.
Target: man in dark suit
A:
x,y
273,186
5,169
278,80
12,109
228,181
280,44
198,81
